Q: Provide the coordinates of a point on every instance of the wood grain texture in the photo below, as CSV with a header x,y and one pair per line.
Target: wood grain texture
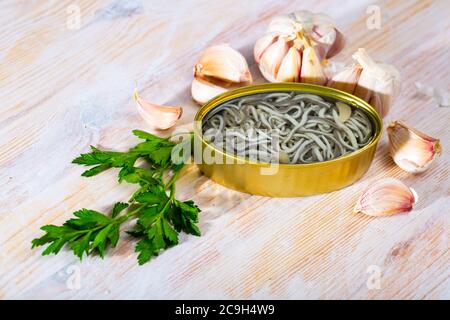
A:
x,y
62,90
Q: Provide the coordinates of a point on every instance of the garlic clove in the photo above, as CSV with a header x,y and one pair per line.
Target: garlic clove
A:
x,y
202,90
380,71
223,62
364,86
347,79
157,116
271,59
379,78
386,197
324,36
289,70
377,101
344,111
385,90
262,44
337,46
312,69
412,150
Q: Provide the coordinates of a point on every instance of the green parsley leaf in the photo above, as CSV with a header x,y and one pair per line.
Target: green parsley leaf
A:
x,y
154,195
118,208
100,240
145,250
111,158
96,170
149,137
169,233
87,219
81,245
184,217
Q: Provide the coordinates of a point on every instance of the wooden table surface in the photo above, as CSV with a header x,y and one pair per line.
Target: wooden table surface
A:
x,y
63,88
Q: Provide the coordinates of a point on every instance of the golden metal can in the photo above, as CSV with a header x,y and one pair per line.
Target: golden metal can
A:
x,y
287,180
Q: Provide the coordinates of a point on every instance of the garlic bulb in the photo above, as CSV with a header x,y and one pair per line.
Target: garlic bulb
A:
x,y
347,79
295,46
375,83
157,116
202,90
219,67
317,28
412,150
223,62
386,197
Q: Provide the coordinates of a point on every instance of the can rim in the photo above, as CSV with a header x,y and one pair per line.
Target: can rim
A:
x,y
284,86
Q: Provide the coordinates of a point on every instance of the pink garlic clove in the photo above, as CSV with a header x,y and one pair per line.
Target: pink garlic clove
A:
x,y
262,44
412,150
312,69
224,63
289,70
271,59
202,90
157,116
386,197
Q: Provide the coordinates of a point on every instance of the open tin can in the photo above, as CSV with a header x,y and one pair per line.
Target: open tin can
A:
x,y
286,180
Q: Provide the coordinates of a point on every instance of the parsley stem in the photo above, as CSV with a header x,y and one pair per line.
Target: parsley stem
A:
x,y
130,214
87,230
172,180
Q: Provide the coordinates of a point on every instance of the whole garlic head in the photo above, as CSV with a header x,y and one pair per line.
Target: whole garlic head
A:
x,y
295,45
412,150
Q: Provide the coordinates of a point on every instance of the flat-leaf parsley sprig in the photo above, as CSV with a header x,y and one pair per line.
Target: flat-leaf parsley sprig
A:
x,y
159,216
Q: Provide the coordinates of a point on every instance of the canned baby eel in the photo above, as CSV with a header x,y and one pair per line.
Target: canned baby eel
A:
x,y
285,180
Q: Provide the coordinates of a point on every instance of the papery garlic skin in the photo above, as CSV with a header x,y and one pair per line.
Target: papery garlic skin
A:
x,y
202,90
346,79
336,47
411,150
386,197
157,116
439,95
365,85
318,28
294,47
378,84
224,63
